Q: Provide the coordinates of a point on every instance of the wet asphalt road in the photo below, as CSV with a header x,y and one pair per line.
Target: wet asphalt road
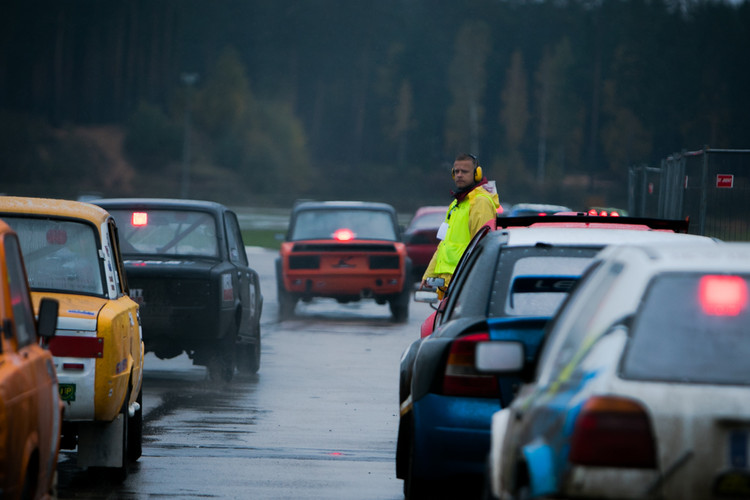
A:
x,y
319,421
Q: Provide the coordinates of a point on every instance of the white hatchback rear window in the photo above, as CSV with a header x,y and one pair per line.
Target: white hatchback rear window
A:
x,y
692,328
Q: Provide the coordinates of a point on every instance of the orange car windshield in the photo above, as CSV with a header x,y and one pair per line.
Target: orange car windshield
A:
x,y
60,255
324,224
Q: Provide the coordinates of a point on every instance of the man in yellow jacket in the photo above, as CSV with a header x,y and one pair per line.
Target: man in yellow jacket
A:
x,y
472,207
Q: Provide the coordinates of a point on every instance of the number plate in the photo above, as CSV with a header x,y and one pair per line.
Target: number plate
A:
x,y
68,392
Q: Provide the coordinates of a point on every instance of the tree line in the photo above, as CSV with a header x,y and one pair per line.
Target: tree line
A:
x,y
297,97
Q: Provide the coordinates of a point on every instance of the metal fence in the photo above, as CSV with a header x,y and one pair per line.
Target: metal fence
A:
x,y
710,186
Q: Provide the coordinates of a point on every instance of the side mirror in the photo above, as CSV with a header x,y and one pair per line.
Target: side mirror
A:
x,y
436,282
426,296
499,357
47,322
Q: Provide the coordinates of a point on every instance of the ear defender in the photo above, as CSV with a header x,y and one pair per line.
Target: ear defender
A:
x,y
478,174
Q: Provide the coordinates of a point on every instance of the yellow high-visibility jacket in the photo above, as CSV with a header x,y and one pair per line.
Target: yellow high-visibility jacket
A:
x,y
464,220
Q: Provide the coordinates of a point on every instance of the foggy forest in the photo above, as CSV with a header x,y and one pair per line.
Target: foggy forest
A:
x,y
261,102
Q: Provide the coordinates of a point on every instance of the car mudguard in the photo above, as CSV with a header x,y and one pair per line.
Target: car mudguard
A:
x,y
539,461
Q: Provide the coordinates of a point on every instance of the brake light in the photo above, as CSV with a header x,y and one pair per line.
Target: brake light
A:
x,y
461,377
593,212
722,295
227,290
343,234
614,214
612,431
139,219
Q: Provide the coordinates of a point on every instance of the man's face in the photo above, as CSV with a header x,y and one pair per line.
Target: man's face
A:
x,y
463,173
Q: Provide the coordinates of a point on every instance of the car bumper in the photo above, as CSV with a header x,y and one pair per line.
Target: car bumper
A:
x,y
336,285
452,435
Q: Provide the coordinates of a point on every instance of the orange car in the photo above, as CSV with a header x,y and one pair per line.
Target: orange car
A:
x,y
30,407
346,250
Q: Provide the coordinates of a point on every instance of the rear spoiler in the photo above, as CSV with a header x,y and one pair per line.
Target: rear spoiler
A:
x,y
584,220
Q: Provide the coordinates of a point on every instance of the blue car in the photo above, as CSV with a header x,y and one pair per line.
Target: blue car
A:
x,y
507,286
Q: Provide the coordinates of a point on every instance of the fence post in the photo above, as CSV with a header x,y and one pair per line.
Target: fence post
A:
x,y
704,192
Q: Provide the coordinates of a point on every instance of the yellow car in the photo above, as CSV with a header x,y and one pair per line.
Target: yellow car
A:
x,y
30,408
72,255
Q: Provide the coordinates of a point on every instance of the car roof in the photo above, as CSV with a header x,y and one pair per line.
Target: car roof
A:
x,y
521,236
685,256
540,207
171,203
49,206
372,205
430,210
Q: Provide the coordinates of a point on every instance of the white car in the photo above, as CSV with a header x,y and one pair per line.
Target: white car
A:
x,y
643,387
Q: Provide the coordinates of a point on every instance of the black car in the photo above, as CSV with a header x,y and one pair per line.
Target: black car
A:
x,y
187,268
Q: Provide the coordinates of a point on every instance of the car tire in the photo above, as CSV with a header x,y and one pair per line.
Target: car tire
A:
x,y
249,359
135,431
287,303
415,487
29,482
221,363
400,305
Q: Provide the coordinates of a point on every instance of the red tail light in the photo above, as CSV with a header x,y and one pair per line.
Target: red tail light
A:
x,y
461,377
613,432
722,295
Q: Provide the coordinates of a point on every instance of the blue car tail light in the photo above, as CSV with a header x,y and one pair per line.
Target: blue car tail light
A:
x,y
613,431
461,377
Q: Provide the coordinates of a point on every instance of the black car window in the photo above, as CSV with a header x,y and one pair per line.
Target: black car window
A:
x,y
60,255
466,286
22,310
343,224
534,281
166,232
237,252
691,328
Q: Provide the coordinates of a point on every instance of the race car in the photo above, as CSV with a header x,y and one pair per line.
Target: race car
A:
x,y
30,406
188,270
346,250
72,255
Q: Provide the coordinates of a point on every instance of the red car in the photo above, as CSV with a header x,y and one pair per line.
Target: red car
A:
x,y
421,237
345,250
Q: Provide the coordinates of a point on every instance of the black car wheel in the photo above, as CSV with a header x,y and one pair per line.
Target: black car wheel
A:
x,y
135,431
120,474
287,302
400,305
415,487
222,362
249,357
